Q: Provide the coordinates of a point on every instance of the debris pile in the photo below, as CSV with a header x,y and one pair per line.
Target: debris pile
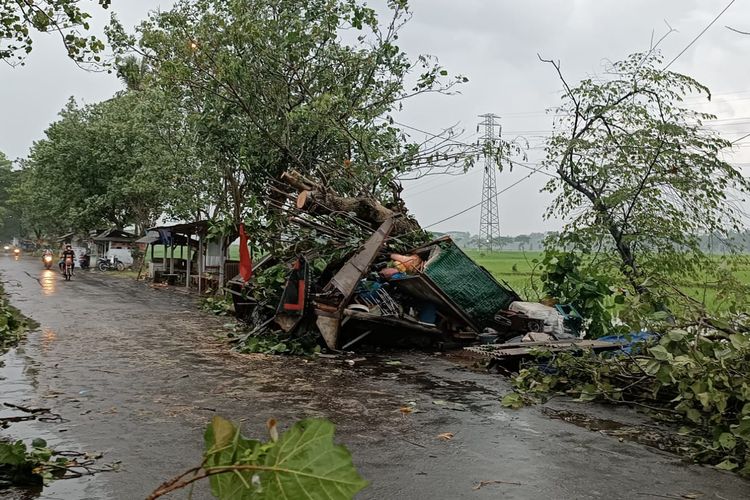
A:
x,y
380,289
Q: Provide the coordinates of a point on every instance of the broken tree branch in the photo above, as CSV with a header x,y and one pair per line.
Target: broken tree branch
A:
x,y
315,199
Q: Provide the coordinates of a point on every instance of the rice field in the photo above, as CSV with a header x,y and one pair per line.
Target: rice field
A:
x,y
518,271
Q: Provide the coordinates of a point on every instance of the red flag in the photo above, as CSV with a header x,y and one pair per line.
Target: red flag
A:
x,y
246,263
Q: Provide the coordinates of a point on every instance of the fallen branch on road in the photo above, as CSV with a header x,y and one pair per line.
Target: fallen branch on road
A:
x,y
481,484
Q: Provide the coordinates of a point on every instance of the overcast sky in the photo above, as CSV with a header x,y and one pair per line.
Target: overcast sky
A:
x,y
493,42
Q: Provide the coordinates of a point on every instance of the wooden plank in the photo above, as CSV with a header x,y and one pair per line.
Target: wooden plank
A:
x,y
526,348
391,321
346,279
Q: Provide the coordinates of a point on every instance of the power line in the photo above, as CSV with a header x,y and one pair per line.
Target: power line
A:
x,y
498,193
699,35
743,137
426,188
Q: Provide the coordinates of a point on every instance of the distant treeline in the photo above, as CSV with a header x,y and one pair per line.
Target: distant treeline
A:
x,y
535,241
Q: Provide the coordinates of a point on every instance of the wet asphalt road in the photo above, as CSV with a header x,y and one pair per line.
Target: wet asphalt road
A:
x,y
137,372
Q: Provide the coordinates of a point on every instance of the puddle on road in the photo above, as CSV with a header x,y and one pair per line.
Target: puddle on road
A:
x,y
661,439
48,280
17,387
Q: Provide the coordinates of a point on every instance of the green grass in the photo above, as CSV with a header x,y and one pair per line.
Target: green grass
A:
x,y
517,270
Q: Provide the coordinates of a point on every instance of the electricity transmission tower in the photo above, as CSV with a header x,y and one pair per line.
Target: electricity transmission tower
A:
x,y
489,222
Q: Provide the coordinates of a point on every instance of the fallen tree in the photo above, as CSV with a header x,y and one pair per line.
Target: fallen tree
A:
x,y
316,199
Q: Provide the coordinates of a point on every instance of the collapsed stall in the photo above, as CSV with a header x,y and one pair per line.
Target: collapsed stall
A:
x,y
390,286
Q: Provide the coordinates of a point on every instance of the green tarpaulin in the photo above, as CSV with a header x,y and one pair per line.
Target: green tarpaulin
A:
x,y
471,287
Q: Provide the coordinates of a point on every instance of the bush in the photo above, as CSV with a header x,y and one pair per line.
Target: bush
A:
x,y
12,325
696,379
564,280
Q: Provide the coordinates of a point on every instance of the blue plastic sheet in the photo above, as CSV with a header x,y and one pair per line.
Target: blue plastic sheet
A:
x,y
632,340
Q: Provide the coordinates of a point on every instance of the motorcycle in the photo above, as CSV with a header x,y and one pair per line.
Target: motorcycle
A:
x,y
47,261
84,261
104,264
17,252
68,268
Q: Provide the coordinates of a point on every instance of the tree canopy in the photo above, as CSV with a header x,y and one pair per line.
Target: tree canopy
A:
x,y
639,179
265,86
9,219
19,18
97,166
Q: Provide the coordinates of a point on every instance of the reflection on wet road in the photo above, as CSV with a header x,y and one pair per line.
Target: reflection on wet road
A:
x,y
48,280
137,373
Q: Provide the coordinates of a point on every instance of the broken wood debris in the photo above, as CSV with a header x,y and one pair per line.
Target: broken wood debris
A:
x,y
522,349
382,290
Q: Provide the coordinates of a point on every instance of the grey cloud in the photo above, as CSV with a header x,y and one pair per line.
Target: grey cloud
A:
x,y
495,43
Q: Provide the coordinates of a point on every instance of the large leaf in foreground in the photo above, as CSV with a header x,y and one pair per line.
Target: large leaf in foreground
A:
x,y
307,464
226,447
304,463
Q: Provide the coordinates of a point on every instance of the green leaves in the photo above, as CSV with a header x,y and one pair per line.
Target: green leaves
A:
x,y
303,462
12,324
513,400
63,17
639,182
33,465
692,377
660,353
107,157
12,453
567,279
262,87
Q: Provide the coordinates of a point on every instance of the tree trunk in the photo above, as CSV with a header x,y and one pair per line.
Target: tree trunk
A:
x,y
317,200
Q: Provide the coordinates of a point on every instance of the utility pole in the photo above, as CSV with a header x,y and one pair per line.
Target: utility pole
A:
x,y
489,222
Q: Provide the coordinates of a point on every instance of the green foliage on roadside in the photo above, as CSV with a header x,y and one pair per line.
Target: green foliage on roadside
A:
x,y
12,325
302,462
218,305
695,378
270,342
61,17
34,465
565,280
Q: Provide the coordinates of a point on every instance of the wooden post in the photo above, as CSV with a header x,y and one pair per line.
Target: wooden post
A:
x,y
187,266
222,261
201,265
171,259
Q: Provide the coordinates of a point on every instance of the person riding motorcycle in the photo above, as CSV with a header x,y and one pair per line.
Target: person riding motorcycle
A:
x,y
68,253
47,257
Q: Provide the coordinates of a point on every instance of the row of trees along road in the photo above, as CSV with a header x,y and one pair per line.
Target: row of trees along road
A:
x,y
221,98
